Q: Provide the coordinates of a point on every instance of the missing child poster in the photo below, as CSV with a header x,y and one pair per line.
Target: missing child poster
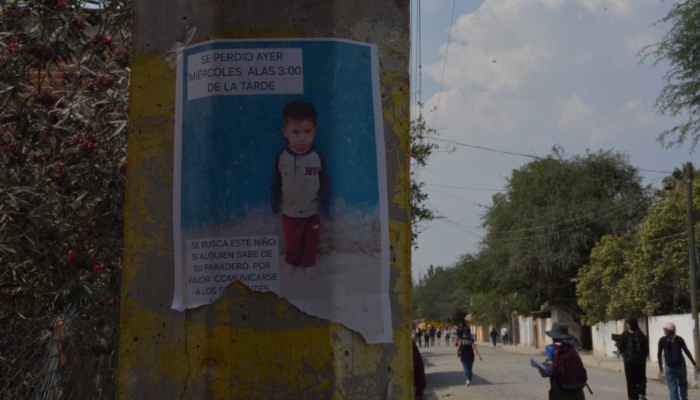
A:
x,y
280,178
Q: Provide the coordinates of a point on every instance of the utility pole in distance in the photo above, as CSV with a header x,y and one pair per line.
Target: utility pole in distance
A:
x,y
691,259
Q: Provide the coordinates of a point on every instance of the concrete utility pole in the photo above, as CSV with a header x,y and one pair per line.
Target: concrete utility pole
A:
x,y
691,258
251,345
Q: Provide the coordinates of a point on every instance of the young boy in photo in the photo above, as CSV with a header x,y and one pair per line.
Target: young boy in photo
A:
x,y
301,187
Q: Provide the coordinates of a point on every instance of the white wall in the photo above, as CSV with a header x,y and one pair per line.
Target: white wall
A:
x,y
603,345
527,331
543,325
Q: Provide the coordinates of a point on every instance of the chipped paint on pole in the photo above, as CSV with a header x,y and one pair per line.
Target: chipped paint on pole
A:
x,y
252,345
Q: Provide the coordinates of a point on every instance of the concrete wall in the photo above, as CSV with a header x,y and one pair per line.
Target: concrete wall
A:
x,y
252,345
603,345
543,325
526,331
559,314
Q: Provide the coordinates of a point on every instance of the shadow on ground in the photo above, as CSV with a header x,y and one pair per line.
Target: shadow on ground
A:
x,y
444,379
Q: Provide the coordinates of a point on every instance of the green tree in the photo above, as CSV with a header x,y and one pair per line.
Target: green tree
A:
x,y
439,295
420,152
646,272
680,48
542,229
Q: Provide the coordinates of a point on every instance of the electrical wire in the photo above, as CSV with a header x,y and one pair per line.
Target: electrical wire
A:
x,y
444,65
485,148
457,198
463,187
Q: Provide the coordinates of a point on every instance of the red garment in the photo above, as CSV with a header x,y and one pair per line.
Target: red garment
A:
x,y
418,371
301,236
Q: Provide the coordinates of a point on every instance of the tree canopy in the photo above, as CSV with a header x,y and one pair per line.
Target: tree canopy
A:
x,y
541,230
439,295
644,272
680,47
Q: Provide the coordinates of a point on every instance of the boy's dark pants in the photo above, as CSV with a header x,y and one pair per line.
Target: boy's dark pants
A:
x,y
301,236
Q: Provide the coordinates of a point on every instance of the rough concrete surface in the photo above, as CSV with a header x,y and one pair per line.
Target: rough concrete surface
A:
x,y
505,373
252,345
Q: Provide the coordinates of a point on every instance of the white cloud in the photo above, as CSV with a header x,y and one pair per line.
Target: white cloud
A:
x,y
624,8
574,113
636,43
631,105
565,72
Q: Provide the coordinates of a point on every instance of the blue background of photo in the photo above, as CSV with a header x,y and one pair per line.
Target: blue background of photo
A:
x,y
229,143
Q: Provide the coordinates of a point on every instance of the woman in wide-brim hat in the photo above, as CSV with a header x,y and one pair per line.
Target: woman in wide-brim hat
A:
x,y
560,334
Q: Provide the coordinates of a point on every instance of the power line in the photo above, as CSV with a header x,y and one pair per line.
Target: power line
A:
x,y
557,232
657,239
655,171
610,211
457,198
463,187
485,148
521,154
444,65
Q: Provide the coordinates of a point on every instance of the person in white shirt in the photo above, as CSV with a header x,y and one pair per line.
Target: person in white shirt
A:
x,y
504,334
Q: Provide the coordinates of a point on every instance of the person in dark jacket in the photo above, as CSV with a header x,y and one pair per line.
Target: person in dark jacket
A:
x,y
418,373
676,372
634,348
494,336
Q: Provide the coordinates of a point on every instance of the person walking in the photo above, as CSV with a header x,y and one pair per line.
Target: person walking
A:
x,y
426,337
419,335
465,352
634,348
418,374
504,334
432,331
494,336
447,336
439,335
676,373
564,368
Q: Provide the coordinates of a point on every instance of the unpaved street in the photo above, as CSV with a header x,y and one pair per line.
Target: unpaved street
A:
x,y
505,374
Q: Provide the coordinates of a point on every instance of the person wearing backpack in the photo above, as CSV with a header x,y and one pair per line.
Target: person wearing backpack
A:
x,y
634,348
567,375
465,352
676,372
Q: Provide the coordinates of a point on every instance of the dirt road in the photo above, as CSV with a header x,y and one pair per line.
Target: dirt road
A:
x,y
505,374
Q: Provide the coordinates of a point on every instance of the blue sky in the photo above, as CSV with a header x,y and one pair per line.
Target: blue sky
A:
x,y
524,76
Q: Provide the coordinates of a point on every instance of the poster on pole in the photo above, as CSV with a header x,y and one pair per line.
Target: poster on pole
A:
x,y
280,178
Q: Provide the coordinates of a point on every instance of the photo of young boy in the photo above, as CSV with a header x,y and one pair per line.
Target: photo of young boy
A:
x,y
301,187
284,191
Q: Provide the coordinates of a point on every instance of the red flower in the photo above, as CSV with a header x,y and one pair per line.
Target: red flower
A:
x,y
96,268
76,25
61,4
112,302
13,48
72,257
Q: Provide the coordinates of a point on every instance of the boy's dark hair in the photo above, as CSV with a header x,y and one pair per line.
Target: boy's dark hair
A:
x,y
299,110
